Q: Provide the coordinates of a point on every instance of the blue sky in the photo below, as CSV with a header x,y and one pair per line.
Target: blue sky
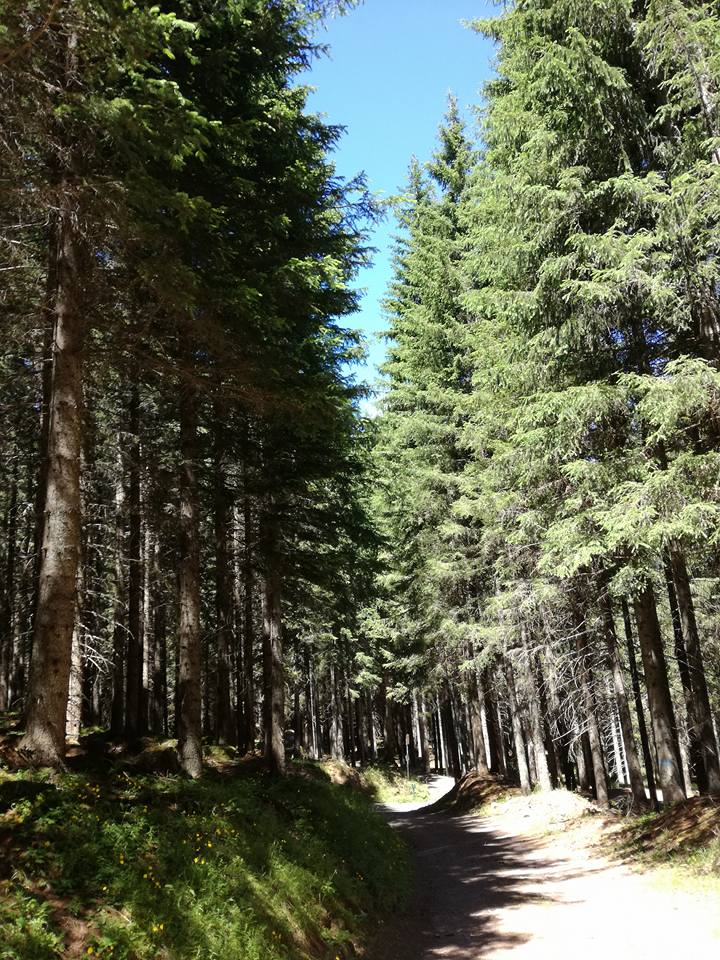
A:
x,y
390,68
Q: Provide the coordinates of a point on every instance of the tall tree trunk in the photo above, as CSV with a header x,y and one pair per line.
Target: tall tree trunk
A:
x,y
134,714
223,590
693,761
274,700
498,763
389,725
477,734
7,601
585,678
73,717
583,760
189,704
661,709
702,712
556,721
441,764
55,618
336,737
518,735
46,386
117,709
639,709
544,780
637,786
158,694
422,732
311,709
247,739
450,731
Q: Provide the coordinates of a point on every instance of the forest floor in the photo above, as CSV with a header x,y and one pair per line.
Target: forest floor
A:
x,y
540,877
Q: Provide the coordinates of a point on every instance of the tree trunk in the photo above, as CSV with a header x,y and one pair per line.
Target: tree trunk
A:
x,y
498,764
451,740
7,604
117,709
440,759
247,738
583,761
189,704
693,761
73,717
639,709
422,732
661,710
702,714
544,780
223,590
46,382
518,736
556,721
390,744
477,734
158,694
631,755
148,636
588,700
55,618
336,738
134,726
274,700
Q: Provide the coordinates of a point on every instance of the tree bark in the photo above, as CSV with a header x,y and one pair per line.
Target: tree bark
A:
x,y
544,780
639,709
637,786
451,740
518,735
223,590
588,701
390,744
498,763
55,617
477,734
189,705
134,713
336,737
117,709
158,694
274,701
692,760
7,603
702,714
247,737
661,709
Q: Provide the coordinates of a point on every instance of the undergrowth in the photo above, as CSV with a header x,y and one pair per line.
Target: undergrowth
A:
x,y
235,865
682,843
389,785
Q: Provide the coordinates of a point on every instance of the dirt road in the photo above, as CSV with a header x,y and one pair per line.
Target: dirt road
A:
x,y
485,891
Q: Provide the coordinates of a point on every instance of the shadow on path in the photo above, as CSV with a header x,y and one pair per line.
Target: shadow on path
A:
x,y
467,874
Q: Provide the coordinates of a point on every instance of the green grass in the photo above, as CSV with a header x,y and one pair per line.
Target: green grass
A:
x,y
389,785
235,865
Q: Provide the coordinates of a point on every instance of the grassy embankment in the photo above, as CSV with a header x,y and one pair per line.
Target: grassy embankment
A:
x,y
119,864
389,785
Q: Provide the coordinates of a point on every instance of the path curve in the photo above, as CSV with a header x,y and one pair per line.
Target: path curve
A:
x,y
486,891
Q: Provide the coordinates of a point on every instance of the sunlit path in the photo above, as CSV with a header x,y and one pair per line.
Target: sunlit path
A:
x,y
486,891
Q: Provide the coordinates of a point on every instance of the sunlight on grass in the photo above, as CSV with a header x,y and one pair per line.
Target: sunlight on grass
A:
x,y
232,866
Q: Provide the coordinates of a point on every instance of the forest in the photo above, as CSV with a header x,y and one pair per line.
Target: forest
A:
x,y
207,541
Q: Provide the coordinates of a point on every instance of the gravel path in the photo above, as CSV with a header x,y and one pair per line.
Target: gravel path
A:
x,y
485,890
